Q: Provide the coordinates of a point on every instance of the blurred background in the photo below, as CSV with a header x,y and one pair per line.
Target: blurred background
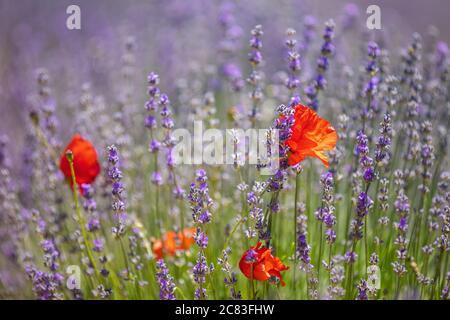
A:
x,y
172,37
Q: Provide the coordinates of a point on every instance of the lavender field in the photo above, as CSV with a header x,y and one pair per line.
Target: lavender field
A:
x,y
96,204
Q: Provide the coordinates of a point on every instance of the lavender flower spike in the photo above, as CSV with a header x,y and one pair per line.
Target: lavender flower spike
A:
x,y
165,281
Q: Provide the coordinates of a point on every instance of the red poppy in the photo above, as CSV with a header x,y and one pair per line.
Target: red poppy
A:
x,y
264,265
173,242
85,161
311,136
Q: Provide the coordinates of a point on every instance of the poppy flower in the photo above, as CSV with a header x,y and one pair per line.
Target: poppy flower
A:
x,y
172,242
85,162
264,265
311,136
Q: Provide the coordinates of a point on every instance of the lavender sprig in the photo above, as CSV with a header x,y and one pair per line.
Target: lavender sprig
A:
x,y
165,281
118,190
319,82
201,205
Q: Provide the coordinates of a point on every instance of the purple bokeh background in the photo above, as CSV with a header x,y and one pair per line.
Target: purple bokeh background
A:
x,y
171,36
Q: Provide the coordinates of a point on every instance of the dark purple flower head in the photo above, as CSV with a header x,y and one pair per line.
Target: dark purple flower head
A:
x,y
255,56
251,256
373,51
117,190
350,256
98,245
3,142
156,178
153,79
201,239
364,203
200,271
165,281
403,224
362,290
46,286
154,146
93,225
401,204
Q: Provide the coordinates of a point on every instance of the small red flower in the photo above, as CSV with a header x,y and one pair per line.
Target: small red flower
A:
x,y
264,265
172,242
311,136
85,161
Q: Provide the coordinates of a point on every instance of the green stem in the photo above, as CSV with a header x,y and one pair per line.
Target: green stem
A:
x,y
80,218
297,189
366,246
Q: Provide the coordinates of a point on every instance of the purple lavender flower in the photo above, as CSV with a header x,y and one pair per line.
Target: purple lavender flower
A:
x,y
384,140
293,59
350,257
165,281
156,178
365,161
51,254
319,82
201,239
229,45
255,58
46,285
256,213
371,87
199,198
283,124
118,205
201,204
303,248
90,205
362,290
3,142
230,280
364,202
402,208
98,245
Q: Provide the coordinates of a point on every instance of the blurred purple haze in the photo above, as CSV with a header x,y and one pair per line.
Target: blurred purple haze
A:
x,y
170,37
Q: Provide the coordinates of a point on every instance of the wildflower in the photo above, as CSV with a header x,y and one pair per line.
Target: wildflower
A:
x,y
255,78
172,242
45,285
199,198
118,190
201,204
303,248
325,213
90,206
350,256
319,82
402,208
362,290
165,281
366,162
102,292
258,263
311,136
51,254
98,245
293,57
384,139
200,271
85,161
230,280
